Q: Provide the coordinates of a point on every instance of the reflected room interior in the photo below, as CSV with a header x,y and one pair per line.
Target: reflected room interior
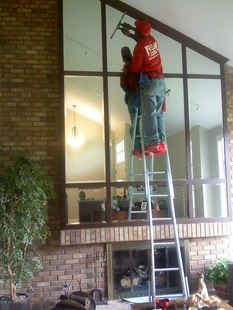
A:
x,y
87,162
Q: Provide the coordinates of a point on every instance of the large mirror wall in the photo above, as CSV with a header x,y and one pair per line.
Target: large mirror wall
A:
x,y
97,171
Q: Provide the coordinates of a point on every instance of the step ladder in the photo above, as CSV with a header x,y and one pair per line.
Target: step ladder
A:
x,y
133,176
149,194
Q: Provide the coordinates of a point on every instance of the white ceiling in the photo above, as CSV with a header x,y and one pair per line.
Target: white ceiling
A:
x,y
209,22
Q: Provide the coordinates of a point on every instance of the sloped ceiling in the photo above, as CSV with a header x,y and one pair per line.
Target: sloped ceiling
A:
x,y
208,22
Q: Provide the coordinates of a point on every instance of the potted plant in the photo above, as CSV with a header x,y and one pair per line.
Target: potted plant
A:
x,y
218,275
24,191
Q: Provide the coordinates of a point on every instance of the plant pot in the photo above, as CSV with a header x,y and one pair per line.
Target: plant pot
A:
x,y
221,289
22,302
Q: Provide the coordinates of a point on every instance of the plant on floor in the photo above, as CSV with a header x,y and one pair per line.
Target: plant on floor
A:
x,y
24,191
218,271
217,274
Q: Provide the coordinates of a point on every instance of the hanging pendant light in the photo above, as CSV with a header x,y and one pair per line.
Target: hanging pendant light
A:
x,y
75,140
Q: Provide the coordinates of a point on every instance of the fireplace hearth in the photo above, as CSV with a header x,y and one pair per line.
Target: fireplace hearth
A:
x,y
128,269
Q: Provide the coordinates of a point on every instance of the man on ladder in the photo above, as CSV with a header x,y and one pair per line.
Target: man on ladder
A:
x,y
148,72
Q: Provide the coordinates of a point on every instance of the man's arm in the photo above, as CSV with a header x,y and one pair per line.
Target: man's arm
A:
x,y
125,30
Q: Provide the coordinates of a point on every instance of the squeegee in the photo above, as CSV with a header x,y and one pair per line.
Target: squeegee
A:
x,y
118,26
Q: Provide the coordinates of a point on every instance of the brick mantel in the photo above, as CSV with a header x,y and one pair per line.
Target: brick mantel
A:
x,y
137,233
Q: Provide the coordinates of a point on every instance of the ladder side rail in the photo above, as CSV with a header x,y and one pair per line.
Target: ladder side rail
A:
x,y
151,289
131,174
151,232
176,234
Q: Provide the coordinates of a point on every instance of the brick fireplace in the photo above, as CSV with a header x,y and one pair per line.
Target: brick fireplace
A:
x,y
202,240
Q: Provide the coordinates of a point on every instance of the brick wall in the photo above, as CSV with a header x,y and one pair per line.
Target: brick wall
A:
x,y
30,119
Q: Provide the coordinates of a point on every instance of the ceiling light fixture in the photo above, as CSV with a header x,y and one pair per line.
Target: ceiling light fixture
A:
x,y
75,140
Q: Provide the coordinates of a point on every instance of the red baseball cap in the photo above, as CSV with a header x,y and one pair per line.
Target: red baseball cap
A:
x,y
143,27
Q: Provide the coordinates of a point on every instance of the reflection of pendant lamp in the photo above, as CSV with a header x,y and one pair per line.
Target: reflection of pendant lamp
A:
x,y
75,140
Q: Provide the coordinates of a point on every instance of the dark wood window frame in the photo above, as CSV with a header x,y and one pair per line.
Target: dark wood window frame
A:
x,y
186,42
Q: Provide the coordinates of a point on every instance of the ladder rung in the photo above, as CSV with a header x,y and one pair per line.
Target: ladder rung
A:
x,y
159,195
161,218
137,174
157,172
164,243
171,296
149,192
166,269
138,192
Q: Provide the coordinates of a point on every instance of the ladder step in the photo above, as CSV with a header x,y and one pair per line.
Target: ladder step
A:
x,y
161,219
159,195
165,178
163,244
157,172
171,296
166,269
138,174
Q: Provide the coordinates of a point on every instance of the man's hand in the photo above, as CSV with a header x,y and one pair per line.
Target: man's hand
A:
x,y
128,26
126,32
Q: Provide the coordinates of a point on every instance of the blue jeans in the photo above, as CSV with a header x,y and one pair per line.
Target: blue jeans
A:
x,y
153,123
135,121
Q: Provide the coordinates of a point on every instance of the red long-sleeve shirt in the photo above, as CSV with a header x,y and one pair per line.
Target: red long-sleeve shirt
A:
x,y
146,57
127,77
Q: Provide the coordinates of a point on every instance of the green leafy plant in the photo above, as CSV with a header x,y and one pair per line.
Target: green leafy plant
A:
x,y
24,191
218,272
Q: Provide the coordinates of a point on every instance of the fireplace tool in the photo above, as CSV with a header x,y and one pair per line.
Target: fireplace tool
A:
x,y
99,258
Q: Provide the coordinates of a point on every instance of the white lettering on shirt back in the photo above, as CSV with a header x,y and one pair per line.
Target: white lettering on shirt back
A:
x,y
152,50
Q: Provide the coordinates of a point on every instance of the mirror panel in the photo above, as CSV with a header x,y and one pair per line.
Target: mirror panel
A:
x,y
87,163
170,50
198,64
82,41
206,128
210,200
86,94
118,40
181,201
84,205
175,128
121,125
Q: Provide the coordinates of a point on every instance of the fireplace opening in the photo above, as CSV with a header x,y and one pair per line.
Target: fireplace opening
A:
x,y
129,269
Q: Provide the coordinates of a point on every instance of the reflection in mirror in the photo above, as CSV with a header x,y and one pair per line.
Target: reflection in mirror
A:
x,y
82,42
85,205
175,129
210,200
206,128
86,94
86,163
120,204
198,64
181,201
118,40
129,203
170,50
120,133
